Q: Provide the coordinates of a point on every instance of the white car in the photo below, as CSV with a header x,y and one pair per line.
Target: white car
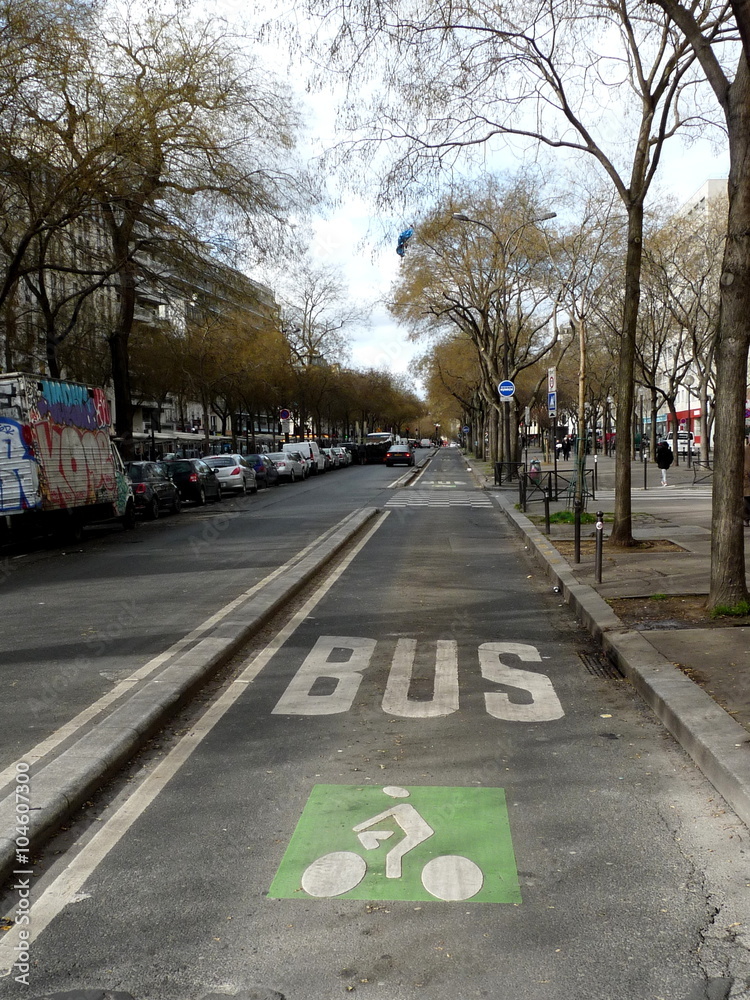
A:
x,y
345,457
234,473
289,467
304,462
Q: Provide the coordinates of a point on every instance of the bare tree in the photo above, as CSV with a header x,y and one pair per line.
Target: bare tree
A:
x,y
484,270
547,73
706,32
166,124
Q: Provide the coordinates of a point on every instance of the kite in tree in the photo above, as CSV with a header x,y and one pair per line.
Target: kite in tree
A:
x,y
403,240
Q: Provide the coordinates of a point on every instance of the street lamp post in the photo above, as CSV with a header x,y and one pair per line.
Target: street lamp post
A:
x,y
504,246
688,381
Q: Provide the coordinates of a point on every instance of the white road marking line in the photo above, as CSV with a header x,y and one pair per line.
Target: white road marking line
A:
x,y
122,687
68,884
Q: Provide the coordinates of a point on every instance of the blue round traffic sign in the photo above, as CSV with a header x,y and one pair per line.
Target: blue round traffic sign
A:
x,y
284,414
506,388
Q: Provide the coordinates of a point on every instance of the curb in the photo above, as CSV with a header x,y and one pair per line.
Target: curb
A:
x,y
62,785
717,744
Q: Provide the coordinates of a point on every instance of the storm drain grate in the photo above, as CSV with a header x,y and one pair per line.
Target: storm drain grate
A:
x,y
600,666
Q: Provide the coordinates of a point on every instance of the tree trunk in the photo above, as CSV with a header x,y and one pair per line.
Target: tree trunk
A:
x,y
728,583
119,340
118,348
622,529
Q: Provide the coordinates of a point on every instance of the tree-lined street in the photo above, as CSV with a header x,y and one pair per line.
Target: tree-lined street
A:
x,y
491,815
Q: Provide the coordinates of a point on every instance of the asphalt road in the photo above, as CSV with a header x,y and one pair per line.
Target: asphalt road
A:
x,y
416,788
78,620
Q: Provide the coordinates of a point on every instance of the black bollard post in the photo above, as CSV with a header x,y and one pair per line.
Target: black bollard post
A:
x,y
546,512
577,505
599,544
645,471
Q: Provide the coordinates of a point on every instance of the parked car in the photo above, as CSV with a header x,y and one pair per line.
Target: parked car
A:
x,y
345,457
425,443
303,461
311,451
233,472
399,454
265,470
287,466
356,452
684,439
153,490
333,460
196,481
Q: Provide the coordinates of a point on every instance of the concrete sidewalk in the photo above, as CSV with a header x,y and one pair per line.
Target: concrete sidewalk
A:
x,y
696,679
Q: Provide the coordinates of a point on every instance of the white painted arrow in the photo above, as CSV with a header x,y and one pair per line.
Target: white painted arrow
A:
x,y
370,839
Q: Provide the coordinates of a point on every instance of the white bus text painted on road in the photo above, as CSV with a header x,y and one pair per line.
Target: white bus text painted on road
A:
x,y
445,692
330,676
298,698
545,705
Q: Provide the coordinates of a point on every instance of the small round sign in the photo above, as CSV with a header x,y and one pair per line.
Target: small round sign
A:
x,y
467,429
599,525
506,388
284,414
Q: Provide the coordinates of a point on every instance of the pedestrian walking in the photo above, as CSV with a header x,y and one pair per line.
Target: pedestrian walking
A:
x,y
746,481
566,448
664,458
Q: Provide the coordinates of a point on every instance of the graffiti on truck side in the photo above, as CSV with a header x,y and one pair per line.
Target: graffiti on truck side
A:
x,y
17,485
72,405
75,465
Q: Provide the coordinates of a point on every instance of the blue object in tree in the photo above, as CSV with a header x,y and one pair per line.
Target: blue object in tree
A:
x,y
403,240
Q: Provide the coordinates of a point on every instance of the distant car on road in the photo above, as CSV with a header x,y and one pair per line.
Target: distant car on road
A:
x,y
287,466
194,479
153,490
233,473
304,461
265,469
333,461
345,457
399,454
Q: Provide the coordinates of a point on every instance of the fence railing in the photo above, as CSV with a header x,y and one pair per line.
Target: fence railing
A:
x,y
703,472
508,472
560,484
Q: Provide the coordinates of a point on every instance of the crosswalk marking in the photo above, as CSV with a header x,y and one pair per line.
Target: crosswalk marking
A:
x,y
438,498
663,493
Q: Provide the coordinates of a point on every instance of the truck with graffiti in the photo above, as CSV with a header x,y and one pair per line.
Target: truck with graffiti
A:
x,y
59,470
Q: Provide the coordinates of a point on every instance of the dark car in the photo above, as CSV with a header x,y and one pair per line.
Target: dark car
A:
x,y
266,472
153,490
194,479
399,454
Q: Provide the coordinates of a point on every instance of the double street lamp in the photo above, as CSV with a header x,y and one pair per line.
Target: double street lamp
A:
x,y
504,246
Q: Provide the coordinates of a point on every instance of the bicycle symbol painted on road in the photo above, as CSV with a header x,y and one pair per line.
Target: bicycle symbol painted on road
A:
x,y
442,844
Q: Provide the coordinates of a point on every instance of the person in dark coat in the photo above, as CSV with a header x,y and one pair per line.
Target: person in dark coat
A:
x,y
664,458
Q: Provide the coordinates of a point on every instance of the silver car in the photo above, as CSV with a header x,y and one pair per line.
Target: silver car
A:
x,y
233,472
289,467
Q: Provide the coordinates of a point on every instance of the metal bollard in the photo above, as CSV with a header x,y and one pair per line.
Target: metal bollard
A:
x,y
645,471
599,544
546,512
577,505
596,474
